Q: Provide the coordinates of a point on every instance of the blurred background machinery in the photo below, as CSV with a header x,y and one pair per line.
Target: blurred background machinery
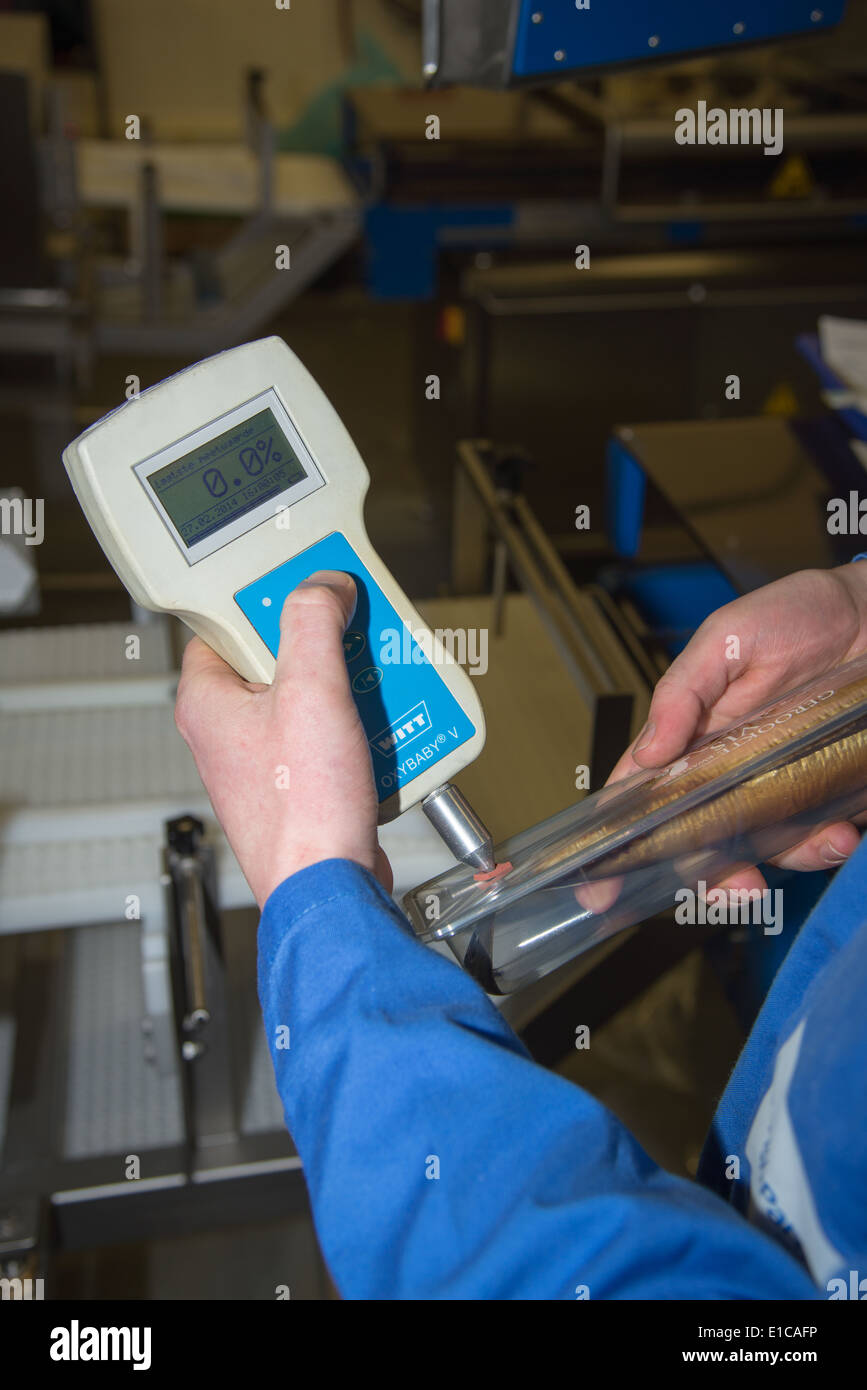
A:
x,y
402,191
502,45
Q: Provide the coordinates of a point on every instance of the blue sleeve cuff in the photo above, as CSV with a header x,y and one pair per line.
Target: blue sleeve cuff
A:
x,y
313,888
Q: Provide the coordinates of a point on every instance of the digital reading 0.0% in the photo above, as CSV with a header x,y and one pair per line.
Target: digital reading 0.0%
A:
x,y
253,460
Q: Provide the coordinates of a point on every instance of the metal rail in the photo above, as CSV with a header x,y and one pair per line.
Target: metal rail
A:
x,y
612,683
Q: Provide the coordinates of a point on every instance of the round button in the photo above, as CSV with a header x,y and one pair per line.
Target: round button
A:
x,y
353,645
367,680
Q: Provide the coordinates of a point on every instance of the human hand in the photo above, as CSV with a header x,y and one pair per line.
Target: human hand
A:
x,y
287,766
788,632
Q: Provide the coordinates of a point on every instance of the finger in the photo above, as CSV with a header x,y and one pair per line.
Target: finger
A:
x,y
741,881
686,694
680,702
626,766
828,848
201,662
312,625
383,870
599,895
683,696
202,672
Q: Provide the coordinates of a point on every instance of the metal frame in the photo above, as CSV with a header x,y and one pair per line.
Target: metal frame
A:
x,y
216,1175
611,681
146,309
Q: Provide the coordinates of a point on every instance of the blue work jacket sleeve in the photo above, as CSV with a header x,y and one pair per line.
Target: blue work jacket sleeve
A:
x,y
441,1161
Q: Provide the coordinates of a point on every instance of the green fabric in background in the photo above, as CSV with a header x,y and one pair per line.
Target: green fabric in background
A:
x,y
319,128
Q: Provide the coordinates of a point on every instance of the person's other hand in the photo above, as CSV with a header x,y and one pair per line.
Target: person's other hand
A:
x,y
287,766
788,632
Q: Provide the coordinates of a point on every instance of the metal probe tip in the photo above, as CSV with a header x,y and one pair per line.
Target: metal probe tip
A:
x,y
456,822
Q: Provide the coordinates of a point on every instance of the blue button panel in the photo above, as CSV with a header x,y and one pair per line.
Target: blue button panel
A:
x,y
410,717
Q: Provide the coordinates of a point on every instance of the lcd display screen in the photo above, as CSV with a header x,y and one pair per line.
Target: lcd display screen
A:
x,y
227,476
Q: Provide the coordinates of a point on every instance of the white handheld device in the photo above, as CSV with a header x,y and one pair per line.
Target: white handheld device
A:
x,y
216,492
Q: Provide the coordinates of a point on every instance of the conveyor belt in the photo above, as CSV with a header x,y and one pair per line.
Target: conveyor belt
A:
x,y
82,651
115,1102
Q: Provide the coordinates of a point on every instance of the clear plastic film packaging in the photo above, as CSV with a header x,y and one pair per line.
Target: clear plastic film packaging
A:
x,y
736,799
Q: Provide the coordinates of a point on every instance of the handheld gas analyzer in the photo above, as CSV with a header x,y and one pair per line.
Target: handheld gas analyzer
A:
x,y
215,493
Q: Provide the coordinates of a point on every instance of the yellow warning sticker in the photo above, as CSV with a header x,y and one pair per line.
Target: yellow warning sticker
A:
x,y
793,179
781,401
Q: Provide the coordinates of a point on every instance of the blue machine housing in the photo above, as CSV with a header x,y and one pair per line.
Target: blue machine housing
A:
x,y
502,43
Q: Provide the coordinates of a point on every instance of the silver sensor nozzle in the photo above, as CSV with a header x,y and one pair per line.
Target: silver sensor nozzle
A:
x,y
456,822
